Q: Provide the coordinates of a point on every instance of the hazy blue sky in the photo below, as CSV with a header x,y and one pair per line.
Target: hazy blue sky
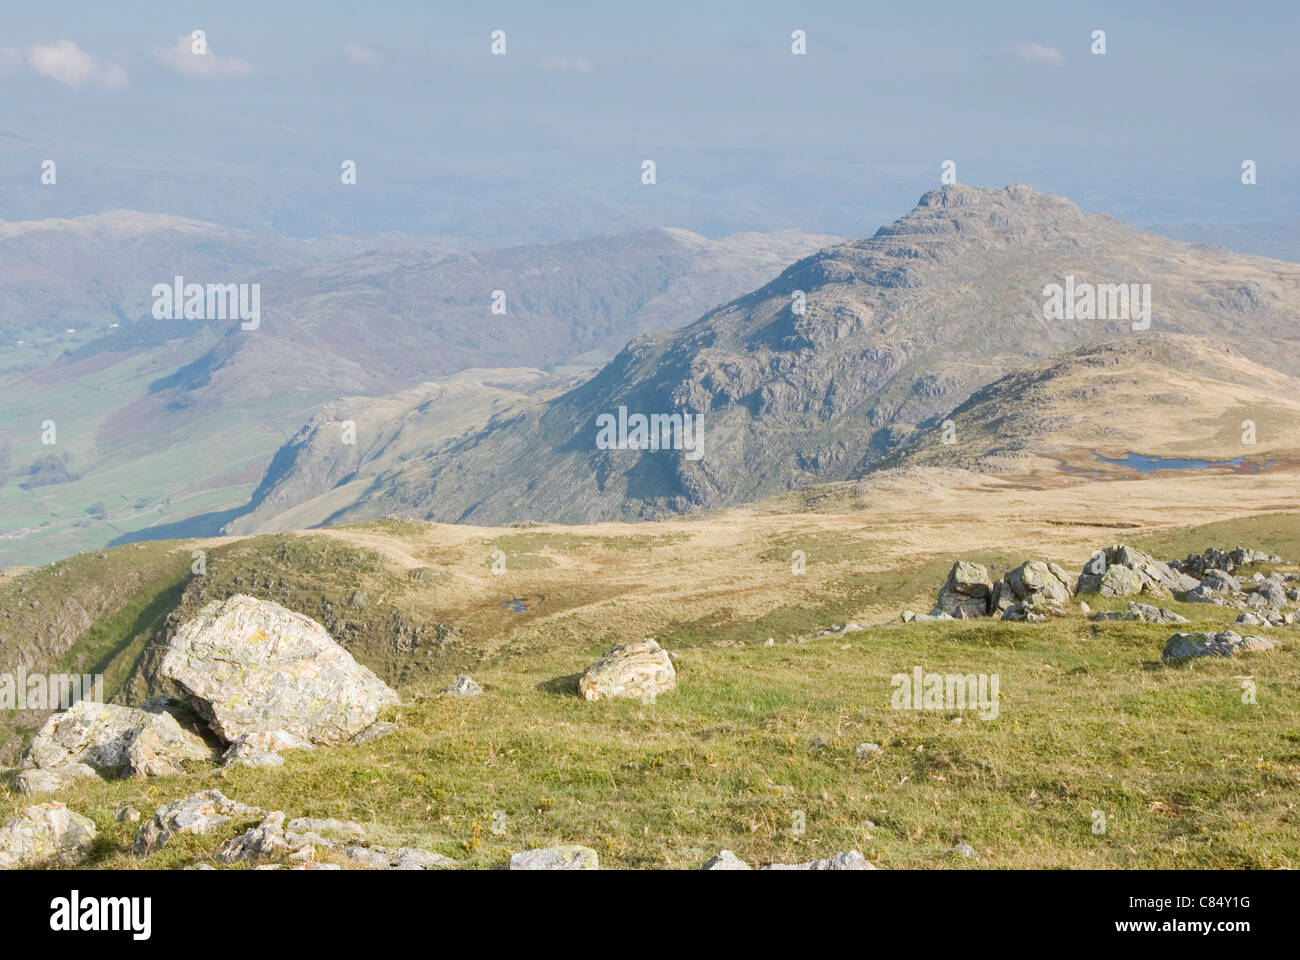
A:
x,y
547,141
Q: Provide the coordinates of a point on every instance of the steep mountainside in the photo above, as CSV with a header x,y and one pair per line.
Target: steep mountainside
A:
x,y
897,330
335,456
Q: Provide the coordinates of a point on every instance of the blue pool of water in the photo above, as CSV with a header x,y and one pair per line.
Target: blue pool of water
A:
x,y
1146,464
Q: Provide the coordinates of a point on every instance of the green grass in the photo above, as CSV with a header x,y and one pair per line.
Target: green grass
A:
x,y
759,738
1186,774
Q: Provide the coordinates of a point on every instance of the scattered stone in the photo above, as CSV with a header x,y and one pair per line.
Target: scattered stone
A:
x,y
725,860
327,828
52,780
867,750
842,628
1084,608
264,840
1143,612
398,858
116,741
375,731
638,670
1184,646
253,667
200,813
464,686
964,850
568,857
849,860
48,834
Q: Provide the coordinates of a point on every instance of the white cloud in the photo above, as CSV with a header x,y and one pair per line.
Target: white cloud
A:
x,y
361,56
180,56
567,65
67,63
1034,53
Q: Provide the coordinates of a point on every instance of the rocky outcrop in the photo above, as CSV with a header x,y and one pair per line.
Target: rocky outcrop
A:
x,y
849,860
570,857
48,834
1122,571
640,670
1186,646
252,667
966,593
115,741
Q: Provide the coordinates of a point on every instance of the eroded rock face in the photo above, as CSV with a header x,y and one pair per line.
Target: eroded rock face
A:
x,y
569,857
253,667
115,741
199,813
45,834
641,670
849,860
966,592
1185,646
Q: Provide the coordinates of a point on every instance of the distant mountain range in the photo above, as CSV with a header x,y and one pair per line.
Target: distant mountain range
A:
x,y
170,424
895,332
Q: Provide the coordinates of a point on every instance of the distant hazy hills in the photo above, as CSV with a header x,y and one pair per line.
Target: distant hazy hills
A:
x,y
897,330
86,272
388,320
1264,238
170,425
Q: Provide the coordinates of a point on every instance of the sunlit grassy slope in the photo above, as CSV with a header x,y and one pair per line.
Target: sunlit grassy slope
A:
x,y
758,738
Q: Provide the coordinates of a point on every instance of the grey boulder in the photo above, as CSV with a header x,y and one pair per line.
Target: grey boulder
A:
x,y
254,667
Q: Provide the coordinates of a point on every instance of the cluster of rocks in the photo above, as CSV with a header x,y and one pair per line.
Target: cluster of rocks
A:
x,y
1216,558
302,840
259,679
1038,589
1032,591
